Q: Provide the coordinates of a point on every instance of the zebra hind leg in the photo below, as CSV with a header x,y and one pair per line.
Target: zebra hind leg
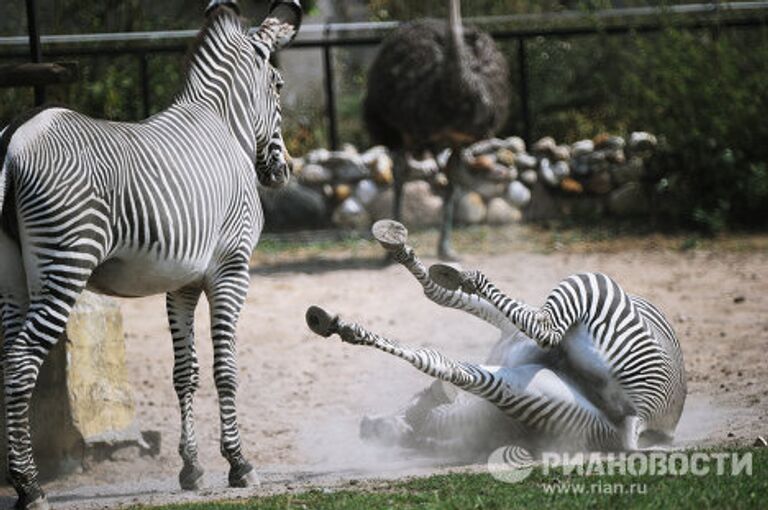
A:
x,y
24,354
181,306
226,295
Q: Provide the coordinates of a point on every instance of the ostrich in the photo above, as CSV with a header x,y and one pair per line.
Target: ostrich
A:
x,y
433,87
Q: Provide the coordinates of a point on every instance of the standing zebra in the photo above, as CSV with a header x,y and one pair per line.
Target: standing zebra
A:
x,y
593,368
167,205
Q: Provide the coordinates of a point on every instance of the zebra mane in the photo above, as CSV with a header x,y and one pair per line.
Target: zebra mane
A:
x,y
220,15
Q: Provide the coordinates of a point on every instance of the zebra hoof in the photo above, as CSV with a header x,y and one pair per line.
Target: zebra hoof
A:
x,y
445,276
243,475
321,322
191,477
41,503
390,234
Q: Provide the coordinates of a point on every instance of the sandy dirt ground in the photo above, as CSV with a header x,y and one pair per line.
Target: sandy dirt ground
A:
x,y
301,397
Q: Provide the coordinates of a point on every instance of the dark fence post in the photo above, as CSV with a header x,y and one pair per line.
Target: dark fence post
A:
x,y
34,47
330,91
525,110
144,78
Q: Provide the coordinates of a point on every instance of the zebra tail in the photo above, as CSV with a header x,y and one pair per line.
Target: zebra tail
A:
x,y
3,151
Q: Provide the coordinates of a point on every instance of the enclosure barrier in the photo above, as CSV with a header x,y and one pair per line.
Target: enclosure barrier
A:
x,y
714,16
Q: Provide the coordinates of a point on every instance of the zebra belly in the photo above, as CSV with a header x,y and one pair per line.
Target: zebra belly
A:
x,y
588,368
144,275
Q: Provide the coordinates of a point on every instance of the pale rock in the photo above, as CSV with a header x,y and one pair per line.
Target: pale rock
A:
x,y
318,156
505,157
515,144
561,153
485,147
529,177
547,173
518,194
502,213
470,209
582,148
381,169
640,141
366,191
525,161
545,146
314,175
374,152
421,168
349,149
351,214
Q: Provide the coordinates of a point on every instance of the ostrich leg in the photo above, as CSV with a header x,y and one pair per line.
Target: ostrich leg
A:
x,y
445,249
534,395
399,174
393,236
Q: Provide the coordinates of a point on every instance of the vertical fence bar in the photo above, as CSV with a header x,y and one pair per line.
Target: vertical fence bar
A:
x,y
144,78
34,47
523,77
330,91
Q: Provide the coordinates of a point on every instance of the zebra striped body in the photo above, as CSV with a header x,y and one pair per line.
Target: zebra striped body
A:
x,y
166,205
593,368
157,204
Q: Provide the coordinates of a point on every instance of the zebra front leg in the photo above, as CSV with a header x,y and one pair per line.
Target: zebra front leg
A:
x,y
393,237
181,306
535,396
226,294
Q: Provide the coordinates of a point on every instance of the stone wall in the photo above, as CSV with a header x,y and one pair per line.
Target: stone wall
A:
x,y
502,181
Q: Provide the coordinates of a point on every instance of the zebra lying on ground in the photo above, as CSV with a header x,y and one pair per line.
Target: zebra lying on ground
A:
x,y
594,368
169,205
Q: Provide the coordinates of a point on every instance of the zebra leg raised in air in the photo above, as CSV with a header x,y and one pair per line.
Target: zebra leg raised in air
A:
x,y
533,395
393,236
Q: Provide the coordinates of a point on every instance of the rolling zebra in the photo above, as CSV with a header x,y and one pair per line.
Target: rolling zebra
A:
x,y
166,205
594,368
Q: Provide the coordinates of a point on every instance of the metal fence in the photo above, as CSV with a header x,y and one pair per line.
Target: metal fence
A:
x,y
327,37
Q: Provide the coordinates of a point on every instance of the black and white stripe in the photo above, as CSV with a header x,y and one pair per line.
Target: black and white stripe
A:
x,y
593,368
169,204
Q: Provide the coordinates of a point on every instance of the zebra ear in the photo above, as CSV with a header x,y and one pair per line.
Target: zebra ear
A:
x,y
281,25
227,3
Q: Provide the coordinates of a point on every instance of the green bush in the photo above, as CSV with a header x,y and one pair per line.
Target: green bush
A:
x,y
708,97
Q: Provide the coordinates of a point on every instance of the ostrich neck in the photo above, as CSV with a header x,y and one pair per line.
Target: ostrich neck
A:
x,y
456,46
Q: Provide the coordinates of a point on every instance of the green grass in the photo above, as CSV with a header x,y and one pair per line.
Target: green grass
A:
x,y
481,491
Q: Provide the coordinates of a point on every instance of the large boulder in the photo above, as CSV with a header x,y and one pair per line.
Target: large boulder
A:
x,y
293,207
83,402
